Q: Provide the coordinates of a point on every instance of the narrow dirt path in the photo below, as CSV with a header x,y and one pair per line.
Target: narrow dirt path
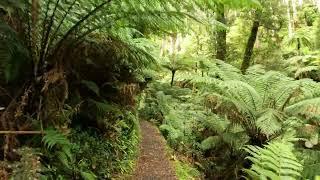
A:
x,y
153,162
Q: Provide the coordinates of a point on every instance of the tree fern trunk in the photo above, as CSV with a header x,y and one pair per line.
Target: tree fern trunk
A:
x,y
221,34
35,11
172,77
250,45
299,46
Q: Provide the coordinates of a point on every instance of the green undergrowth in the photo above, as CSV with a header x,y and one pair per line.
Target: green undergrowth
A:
x,y
80,153
211,119
105,157
110,155
186,171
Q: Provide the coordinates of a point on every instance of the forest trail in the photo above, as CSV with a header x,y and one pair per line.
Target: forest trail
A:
x,y
153,162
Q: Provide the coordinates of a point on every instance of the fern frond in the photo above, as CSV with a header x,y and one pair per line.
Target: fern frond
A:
x,y
14,56
88,175
255,70
54,138
244,93
228,72
270,121
305,70
210,142
92,86
10,5
101,108
309,108
275,161
311,159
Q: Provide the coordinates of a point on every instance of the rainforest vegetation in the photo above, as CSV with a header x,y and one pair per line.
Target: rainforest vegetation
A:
x,y
231,85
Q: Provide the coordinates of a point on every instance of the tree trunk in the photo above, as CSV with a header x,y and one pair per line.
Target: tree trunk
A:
x,y
299,46
290,26
300,3
221,34
294,14
163,47
294,10
35,11
172,77
250,45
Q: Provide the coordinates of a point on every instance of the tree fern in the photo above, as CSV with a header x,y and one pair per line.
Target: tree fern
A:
x,y
263,103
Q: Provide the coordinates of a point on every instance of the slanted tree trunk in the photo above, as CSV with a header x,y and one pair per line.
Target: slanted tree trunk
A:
x,y
250,45
221,34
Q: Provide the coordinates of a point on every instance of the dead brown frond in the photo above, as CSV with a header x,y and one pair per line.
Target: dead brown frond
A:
x,y
7,122
226,109
23,103
51,78
128,93
4,174
55,93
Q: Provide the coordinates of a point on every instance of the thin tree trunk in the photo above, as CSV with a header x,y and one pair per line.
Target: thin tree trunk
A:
x,y
172,77
294,14
221,34
33,28
250,45
294,9
300,3
163,47
173,42
173,54
299,46
290,26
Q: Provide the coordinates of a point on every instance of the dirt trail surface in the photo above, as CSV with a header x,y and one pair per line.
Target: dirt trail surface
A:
x,y
153,162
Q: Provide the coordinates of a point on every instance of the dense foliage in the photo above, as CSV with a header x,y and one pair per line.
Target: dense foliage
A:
x,y
233,86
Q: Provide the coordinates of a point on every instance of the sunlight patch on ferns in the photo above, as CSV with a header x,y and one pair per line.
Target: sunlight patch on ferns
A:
x,y
308,107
